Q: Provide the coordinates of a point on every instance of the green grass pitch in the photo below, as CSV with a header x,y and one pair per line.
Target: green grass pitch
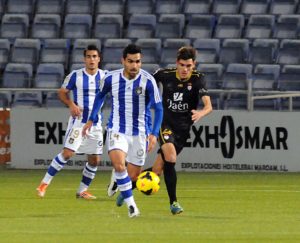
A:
x,y
219,207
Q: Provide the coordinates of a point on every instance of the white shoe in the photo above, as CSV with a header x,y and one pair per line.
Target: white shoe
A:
x,y
112,188
133,211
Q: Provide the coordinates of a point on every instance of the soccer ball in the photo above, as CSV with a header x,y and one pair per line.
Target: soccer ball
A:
x,y
148,183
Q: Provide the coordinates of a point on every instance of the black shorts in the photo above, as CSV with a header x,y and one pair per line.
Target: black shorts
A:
x,y
174,136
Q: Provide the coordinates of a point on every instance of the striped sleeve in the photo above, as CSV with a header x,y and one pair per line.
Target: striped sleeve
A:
x,y
70,81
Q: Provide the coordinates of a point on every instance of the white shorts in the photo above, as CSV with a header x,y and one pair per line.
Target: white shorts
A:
x,y
91,144
134,146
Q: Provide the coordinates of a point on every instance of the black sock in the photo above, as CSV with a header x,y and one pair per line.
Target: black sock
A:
x,y
133,184
170,180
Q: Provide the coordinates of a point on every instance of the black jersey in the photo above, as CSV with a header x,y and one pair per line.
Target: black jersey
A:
x,y
180,96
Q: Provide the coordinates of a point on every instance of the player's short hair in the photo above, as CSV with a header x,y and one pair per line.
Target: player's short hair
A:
x,y
131,49
186,52
92,48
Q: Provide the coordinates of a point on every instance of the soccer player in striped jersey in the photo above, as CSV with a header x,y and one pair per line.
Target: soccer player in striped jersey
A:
x,y
183,89
130,135
84,84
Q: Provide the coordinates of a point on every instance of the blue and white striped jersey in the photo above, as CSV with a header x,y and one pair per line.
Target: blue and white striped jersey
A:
x,y
131,101
84,88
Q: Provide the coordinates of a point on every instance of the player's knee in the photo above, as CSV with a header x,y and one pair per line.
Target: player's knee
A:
x,y
67,154
170,157
94,163
93,160
119,167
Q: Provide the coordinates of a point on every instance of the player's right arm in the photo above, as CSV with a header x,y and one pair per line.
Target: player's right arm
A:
x,y
87,126
64,94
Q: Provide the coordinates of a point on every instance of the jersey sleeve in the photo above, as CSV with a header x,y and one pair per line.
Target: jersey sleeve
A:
x,y
70,81
153,91
156,104
202,86
157,75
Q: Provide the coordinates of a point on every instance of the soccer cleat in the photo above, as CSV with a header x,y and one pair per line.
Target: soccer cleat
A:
x,y
176,208
85,195
41,190
133,211
112,188
120,200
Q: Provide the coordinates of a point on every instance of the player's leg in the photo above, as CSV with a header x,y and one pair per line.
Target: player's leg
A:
x,y
123,181
56,165
92,145
112,187
168,153
158,165
135,158
88,174
133,172
118,147
72,142
171,146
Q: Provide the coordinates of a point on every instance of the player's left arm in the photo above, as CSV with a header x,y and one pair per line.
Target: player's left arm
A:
x,y
156,102
207,108
203,93
158,116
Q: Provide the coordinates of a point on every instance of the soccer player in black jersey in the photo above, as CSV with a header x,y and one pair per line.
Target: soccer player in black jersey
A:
x,y
182,89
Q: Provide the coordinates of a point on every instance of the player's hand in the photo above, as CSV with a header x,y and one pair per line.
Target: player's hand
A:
x,y
151,142
197,115
86,128
75,110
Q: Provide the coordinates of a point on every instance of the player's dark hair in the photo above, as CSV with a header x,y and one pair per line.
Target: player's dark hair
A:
x,y
91,48
186,52
131,49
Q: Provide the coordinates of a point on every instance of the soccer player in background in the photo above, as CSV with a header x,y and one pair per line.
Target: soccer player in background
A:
x,y
84,84
182,89
130,135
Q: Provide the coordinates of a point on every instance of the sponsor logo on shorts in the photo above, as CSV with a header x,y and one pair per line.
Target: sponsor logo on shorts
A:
x,y
140,152
71,140
166,133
